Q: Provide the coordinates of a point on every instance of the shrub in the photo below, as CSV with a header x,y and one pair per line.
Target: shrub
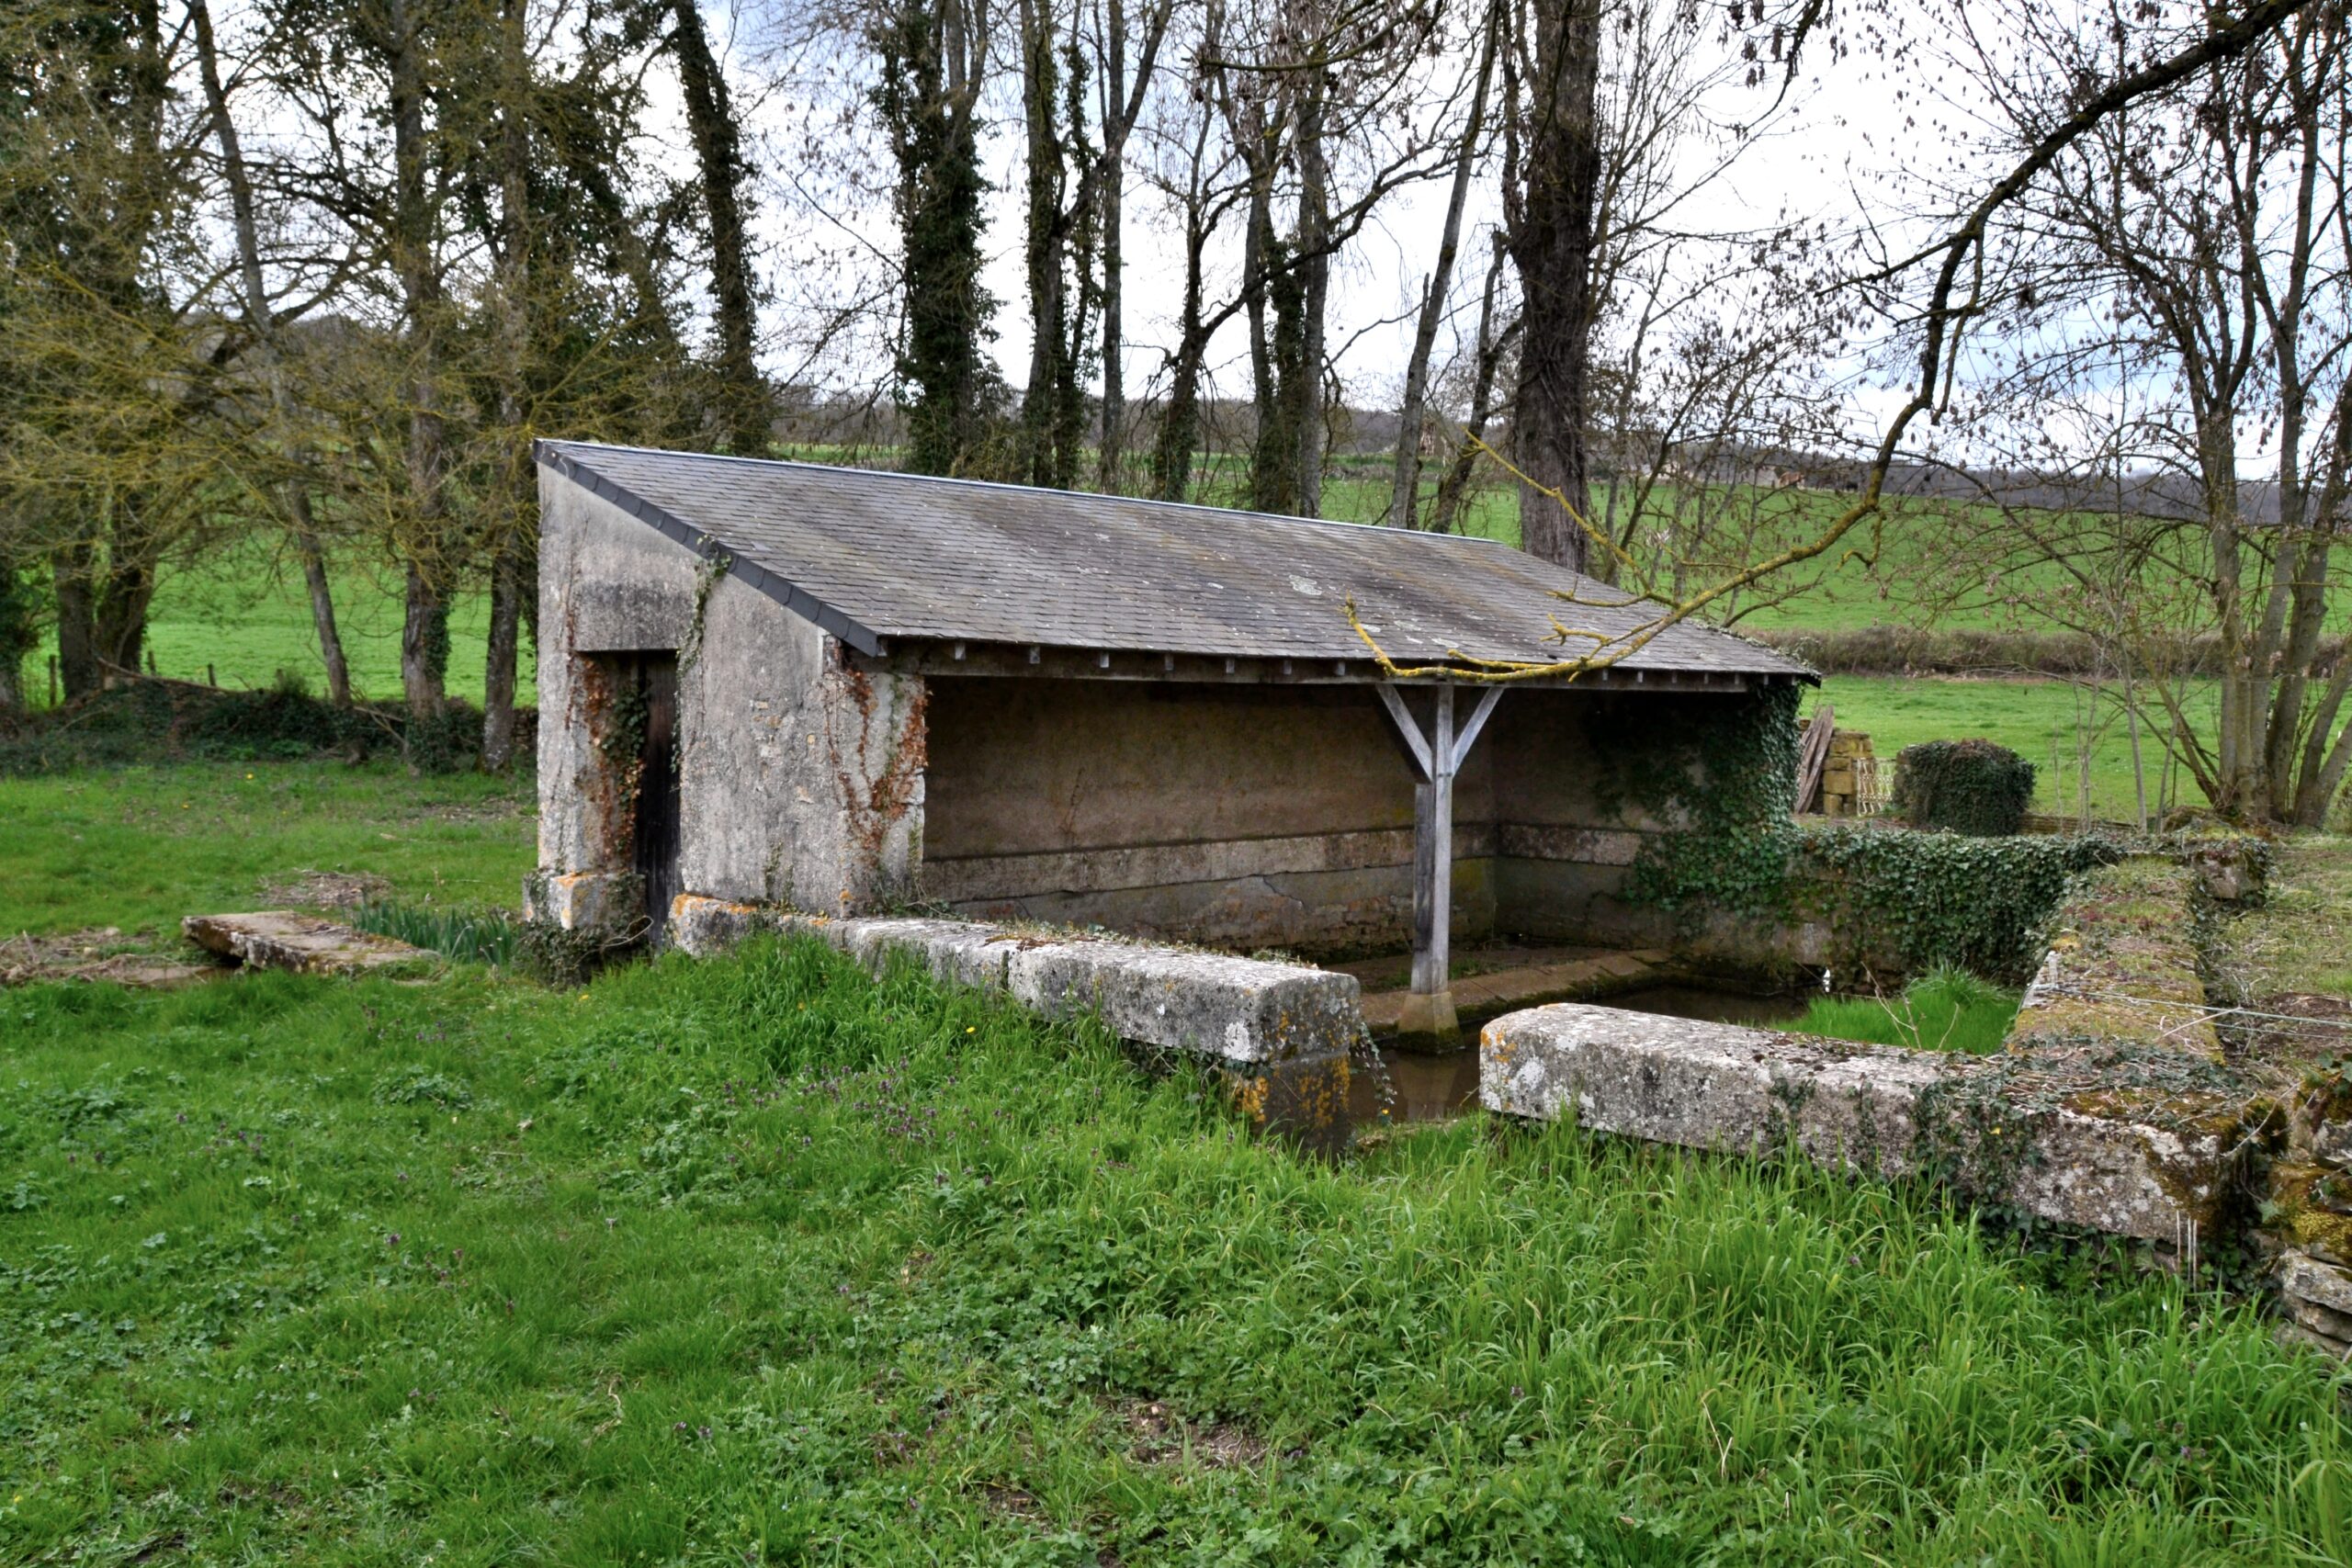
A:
x,y
154,721
1970,787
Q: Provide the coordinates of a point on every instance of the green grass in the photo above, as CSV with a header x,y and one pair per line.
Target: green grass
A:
x,y
246,614
477,935
763,1260
137,848
2031,717
1945,1009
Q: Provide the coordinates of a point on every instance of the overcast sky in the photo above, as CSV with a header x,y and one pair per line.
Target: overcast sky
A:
x,y
1826,155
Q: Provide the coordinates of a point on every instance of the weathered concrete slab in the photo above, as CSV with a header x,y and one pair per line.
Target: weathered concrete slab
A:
x,y
1528,985
2044,1137
282,939
1244,1011
2122,965
1248,1014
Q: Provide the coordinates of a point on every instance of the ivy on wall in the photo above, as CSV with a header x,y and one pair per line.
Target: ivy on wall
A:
x,y
1724,788
1942,897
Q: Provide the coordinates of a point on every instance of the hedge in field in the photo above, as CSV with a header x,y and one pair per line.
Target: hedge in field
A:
x,y
1970,787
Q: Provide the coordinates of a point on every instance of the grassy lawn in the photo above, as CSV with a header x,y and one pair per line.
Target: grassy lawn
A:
x,y
2031,717
760,1260
137,848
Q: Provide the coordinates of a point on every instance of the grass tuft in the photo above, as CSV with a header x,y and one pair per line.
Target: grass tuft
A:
x,y
1944,1010
460,935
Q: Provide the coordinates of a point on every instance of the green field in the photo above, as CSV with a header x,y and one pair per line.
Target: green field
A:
x,y
759,1260
2048,723
242,617
137,848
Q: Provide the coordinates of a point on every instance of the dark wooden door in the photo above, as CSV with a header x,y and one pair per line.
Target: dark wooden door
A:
x,y
654,855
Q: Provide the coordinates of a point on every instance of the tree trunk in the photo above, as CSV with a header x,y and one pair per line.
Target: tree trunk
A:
x,y
506,590
1314,297
1044,240
1111,448
294,494
1180,419
424,632
933,61
719,150
424,646
77,622
1456,483
314,578
510,514
1551,237
1404,493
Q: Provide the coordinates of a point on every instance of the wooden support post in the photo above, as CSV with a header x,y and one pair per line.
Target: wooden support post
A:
x,y
1429,1016
1433,857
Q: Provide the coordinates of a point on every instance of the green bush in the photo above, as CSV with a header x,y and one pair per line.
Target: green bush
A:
x,y
1970,787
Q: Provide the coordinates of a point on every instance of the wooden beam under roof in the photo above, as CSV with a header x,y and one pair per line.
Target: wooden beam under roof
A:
x,y
947,658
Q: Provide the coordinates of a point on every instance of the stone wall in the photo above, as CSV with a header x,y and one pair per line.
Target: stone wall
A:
x,y
1258,817
2107,1109
800,779
1242,816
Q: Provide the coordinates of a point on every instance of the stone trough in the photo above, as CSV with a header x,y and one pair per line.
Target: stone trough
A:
x,y
1282,1033
2050,1139
2101,1112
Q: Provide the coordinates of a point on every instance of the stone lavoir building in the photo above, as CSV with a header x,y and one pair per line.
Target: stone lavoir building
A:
x,y
846,692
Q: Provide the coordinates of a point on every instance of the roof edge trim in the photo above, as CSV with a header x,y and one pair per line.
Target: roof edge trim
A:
x,y
791,595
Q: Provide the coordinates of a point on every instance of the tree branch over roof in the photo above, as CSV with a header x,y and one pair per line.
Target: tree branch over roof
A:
x,y
1961,248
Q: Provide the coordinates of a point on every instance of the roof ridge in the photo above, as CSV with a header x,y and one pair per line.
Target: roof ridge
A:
x,y
1150,501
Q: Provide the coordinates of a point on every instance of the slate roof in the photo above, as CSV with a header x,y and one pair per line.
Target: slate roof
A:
x,y
871,556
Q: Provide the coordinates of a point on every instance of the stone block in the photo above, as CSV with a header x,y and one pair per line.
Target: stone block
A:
x,y
1240,1010
281,939
1998,1131
2304,1278
706,926
958,952
582,900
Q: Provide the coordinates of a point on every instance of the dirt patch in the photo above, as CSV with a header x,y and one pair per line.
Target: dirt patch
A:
x,y
99,954
308,889
1162,1436
1013,1502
